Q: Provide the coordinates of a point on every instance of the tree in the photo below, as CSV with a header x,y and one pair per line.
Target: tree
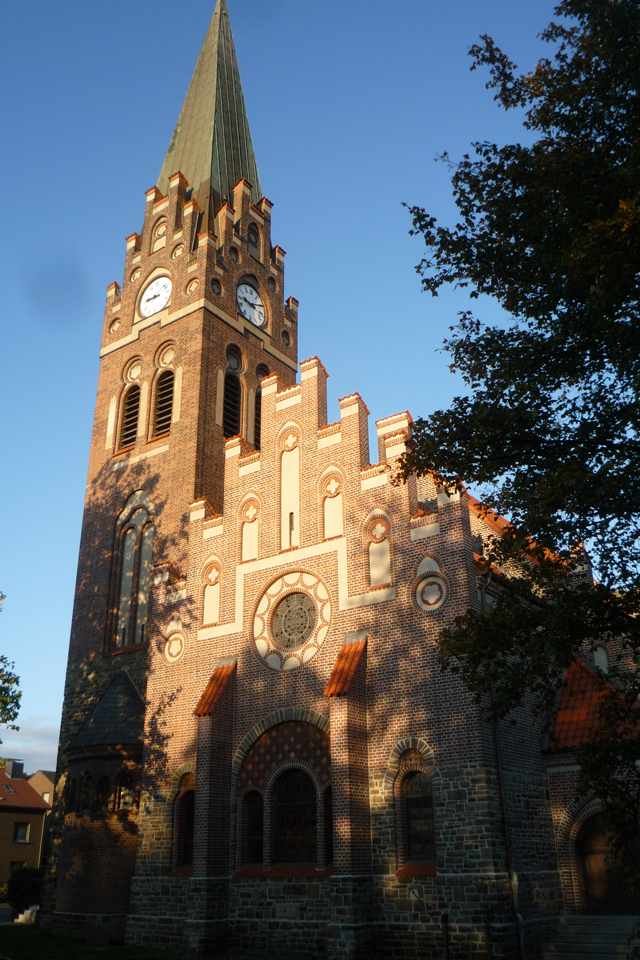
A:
x,y
549,430
10,693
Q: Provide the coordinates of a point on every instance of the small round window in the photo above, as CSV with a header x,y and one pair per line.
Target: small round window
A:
x,y
293,620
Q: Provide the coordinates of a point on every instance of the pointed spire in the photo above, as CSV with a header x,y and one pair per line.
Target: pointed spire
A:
x,y
211,144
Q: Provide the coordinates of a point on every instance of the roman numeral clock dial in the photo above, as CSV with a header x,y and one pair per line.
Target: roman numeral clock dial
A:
x,y
155,297
250,304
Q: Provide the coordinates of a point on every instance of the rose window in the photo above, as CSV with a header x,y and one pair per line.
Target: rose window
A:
x,y
293,620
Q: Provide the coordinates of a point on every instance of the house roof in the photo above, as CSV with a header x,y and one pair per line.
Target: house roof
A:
x,y
19,794
117,718
578,710
345,667
214,689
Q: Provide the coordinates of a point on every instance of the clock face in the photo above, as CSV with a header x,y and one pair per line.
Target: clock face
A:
x,y
250,304
155,297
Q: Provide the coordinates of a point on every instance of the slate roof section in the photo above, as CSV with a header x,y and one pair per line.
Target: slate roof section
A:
x,y
20,796
345,667
211,144
116,719
214,689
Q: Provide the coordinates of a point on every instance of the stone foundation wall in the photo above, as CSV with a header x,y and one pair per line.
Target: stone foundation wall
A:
x,y
99,928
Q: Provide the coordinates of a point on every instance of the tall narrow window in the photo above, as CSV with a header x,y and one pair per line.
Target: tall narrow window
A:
x,y
136,554
159,240
124,792
232,409
290,494
261,372
187,825
295,818
254,826
418,804
130,413
144,582
103,795
71,796
328,826
253,241
85,792
164,403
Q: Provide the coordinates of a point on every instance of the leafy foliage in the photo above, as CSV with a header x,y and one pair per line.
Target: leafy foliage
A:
x,y
24,888
550,425
10,693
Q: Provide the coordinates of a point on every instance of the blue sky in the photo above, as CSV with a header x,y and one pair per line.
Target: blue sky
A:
x,y
349,103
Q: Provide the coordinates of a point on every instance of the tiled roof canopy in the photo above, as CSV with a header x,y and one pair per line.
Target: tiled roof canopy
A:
x,y
344,669
213,690
211,145
117,718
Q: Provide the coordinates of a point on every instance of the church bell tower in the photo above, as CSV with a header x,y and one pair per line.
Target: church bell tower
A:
x,y
198,321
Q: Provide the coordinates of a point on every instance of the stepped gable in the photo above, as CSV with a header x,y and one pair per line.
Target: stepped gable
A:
x,y
117,718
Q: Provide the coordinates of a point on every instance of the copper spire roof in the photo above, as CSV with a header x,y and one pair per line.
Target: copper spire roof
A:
x,y
211,144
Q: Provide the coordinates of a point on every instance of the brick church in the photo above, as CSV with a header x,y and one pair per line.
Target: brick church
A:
x,y
258,747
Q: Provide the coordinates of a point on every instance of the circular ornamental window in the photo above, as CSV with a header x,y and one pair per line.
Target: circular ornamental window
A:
x,y
293,620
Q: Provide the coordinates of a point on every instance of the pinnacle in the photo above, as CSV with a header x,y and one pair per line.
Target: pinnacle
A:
x,y
211,144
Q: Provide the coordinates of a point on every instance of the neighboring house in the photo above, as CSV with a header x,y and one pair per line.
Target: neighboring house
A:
x,y
43,782
22,817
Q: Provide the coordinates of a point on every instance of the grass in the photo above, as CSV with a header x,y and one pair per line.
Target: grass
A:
x,y
28,942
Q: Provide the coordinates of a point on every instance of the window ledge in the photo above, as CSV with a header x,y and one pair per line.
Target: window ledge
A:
x,y
285,870
134,648
182,872
417,870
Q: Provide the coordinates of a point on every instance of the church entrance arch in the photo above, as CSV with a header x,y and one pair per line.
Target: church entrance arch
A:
x,y
603,886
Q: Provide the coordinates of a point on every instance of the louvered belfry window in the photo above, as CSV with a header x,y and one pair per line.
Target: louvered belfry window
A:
x,y
232,405
130,414
164,403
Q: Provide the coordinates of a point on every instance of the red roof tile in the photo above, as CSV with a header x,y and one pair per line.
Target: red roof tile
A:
x,y
344,668
578,707
21,795
213,690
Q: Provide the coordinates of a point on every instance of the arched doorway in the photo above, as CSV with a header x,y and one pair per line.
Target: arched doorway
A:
x,y
603,888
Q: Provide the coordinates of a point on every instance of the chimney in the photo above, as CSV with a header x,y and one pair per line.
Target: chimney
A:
x,y
14,769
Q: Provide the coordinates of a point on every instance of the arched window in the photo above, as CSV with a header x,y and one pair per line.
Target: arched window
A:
x,y
253,241
600,659
164,403
125,796
85,792
232,409
159,239
290,493
130,413
136,553
261,372
418,811
328,826
186,824
103,795
71,796
295,818
254,826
